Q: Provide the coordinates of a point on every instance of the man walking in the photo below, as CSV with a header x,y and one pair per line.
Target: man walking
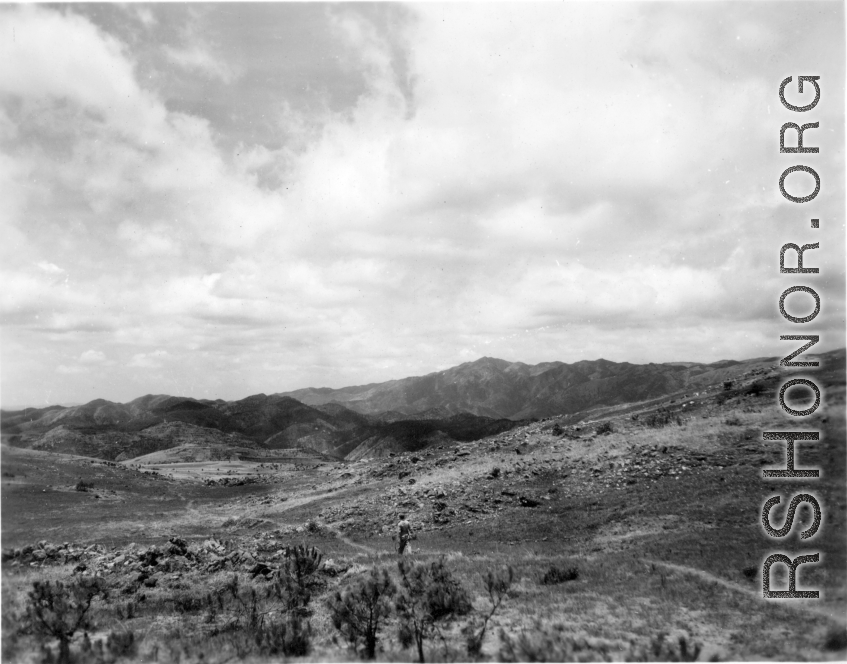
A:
x,y
405,534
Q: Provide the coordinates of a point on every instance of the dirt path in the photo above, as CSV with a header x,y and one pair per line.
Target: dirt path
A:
x,y
803,606
347,540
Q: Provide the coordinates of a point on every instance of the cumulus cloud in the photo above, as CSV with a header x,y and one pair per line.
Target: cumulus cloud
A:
x,y
512,186
92,357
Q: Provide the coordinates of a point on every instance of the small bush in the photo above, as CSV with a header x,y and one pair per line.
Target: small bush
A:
x,y
556,575
296,579
545,644
557,430
733,421
58,610
291,637
121,644
756,388
187,603
428,595
665,649
604,428
257,623
661,418
361,608
722,397
82,486
497,584
303,562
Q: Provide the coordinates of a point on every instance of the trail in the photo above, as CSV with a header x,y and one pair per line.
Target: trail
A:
x,y
803,606
347,540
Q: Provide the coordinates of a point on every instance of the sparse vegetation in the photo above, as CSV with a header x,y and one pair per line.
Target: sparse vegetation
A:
x,y
757,388
723,397
429,595
497,584
290,577
556,575
604,428
661,417
360,610
58,610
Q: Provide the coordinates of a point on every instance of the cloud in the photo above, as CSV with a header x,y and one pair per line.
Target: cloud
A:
x,y
510,186
92,357
197,58
153,240
71,370
49,268
148,360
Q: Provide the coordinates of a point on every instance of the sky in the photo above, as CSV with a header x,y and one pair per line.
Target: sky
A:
x,y
218,200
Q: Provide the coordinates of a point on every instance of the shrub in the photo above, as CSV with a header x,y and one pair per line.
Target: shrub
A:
x,y
361,608
557,430
604,428
82,486
291,637
497,584
303,562
186,603
542,644
661,418
57,610
294,583
556,575
255,627
756,388
733,421
121,644
428,595
665,649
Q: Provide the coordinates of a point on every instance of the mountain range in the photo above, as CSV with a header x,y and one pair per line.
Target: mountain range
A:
x,y
463,403
496,388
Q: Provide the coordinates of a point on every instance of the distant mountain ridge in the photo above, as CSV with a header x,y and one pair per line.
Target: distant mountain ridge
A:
x,y
497,388
153,423
463,403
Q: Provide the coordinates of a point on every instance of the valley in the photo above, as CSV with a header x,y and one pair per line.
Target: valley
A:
x,y
648,510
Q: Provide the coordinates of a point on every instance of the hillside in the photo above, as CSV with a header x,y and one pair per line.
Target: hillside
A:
x,y
634,534
514,390
461,404
151,424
